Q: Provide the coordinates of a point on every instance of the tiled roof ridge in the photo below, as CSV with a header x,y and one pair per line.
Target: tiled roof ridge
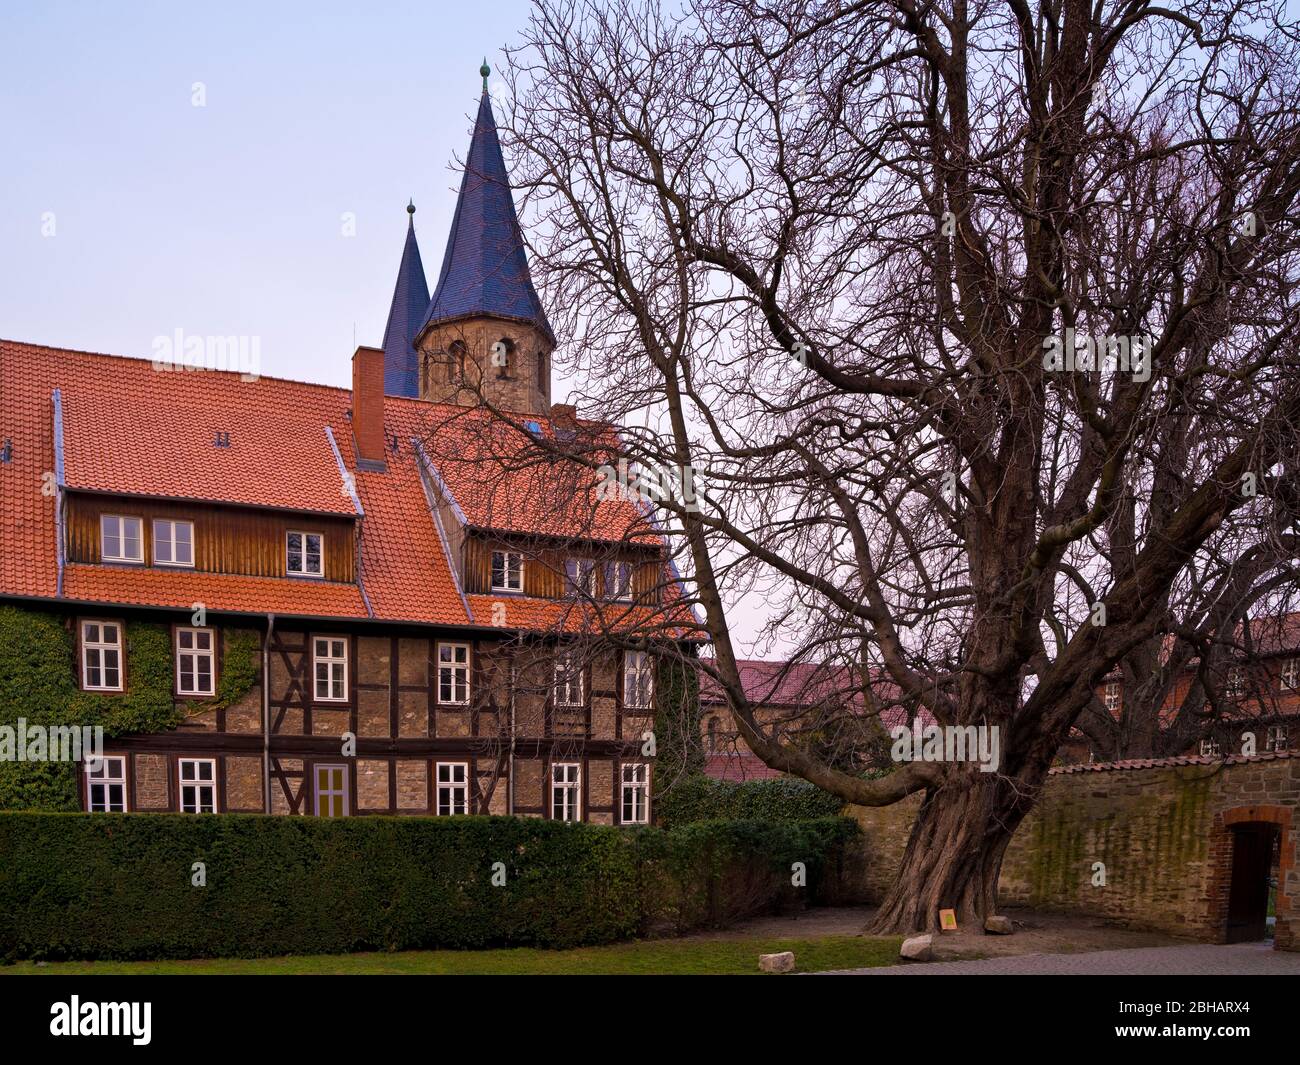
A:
x,y
341,390
1178,760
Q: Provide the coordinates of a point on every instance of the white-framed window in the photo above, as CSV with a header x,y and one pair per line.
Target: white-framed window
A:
x,y
1276,738
1210,748
636,793
196,662
304,553
173,542
638,680
453,789
568,679
1114,695
453,673
507,571
580,576
1291,674
121,538
101,656
1235,683
618,580
331,791
566,791
106,784
198,785
330,668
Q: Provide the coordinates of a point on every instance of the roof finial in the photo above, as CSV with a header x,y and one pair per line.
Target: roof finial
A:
x,y
410,207
484,71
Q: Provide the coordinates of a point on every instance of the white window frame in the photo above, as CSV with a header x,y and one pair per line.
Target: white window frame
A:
x,y
638,785
1290,674
1114,695
618,581
457,668
197,654
171,542
518,571
638,666
329,792
569,785
197,784
1234,681
580,576
303,552
336,667
120,535
454,789
102,647
565,677
1276,738
104,773
1209,748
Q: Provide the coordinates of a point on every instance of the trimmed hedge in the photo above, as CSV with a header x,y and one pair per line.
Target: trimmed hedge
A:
x,y
701,798
119,886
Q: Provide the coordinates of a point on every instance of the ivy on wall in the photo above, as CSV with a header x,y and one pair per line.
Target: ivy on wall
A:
x,y
38,683
679,747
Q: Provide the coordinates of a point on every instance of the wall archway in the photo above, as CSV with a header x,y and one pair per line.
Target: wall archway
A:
x,y
1286,934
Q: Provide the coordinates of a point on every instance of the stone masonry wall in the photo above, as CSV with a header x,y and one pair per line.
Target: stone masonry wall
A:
x,y
1161,829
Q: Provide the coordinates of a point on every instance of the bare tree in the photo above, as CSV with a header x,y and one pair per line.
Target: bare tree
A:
x,y
838,261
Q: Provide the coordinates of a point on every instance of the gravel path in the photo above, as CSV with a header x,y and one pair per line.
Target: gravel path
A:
x,y
1195,960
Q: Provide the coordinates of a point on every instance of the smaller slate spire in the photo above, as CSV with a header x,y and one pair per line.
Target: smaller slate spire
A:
x,y
410,302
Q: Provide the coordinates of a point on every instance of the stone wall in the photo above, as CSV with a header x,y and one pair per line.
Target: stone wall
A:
x,y
1162,831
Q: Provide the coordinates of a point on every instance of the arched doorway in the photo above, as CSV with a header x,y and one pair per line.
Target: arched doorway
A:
x,y
1254,862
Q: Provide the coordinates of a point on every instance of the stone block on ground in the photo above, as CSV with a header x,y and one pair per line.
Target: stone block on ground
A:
x,y
776,963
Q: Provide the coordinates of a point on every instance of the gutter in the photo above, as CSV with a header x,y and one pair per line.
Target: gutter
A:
x,y
350,483
60,500
266,714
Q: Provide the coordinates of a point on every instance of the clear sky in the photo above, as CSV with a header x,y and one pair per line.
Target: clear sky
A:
x,y
127,213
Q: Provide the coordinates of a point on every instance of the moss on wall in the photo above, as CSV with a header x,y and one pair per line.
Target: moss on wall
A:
x,y
38,683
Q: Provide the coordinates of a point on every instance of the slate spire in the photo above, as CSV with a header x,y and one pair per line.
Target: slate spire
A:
x,y
484,269
410,302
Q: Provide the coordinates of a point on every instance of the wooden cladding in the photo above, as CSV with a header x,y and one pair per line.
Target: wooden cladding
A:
x,y
226,539
544,570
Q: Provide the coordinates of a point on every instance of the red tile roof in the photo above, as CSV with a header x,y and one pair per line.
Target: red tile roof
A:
x,y
735,766
129,428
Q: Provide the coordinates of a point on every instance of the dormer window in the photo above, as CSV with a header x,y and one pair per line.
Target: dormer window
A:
x,y
507,571
580,576
304,554
618,580
121,539
173,543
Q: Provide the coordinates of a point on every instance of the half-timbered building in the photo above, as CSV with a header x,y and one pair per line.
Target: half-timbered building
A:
x,y
419,614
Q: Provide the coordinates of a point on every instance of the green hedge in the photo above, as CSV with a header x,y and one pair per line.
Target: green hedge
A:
x,y
701,798
119,886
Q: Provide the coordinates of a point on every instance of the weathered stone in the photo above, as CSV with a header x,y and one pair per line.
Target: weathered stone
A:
x,y
997,925
776,963
917,948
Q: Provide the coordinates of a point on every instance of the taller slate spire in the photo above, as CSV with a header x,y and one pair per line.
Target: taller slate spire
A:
x,y
405,316
484,270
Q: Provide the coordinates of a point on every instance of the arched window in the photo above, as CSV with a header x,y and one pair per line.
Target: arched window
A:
x,y
503,356
543,380
456,362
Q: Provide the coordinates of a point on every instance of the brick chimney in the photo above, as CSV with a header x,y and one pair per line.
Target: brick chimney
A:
x,y
564,415
368,408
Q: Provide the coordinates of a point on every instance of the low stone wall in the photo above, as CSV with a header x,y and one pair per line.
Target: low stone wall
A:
x,y
1161,829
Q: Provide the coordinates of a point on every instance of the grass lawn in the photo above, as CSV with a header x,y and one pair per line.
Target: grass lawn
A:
x,y
692,956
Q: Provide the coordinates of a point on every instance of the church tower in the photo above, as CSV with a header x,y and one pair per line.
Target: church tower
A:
x,y
484,329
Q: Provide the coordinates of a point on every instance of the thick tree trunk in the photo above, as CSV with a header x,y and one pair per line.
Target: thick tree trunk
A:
x,y
954,854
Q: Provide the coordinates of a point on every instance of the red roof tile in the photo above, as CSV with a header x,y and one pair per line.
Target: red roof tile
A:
x,y
129,428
